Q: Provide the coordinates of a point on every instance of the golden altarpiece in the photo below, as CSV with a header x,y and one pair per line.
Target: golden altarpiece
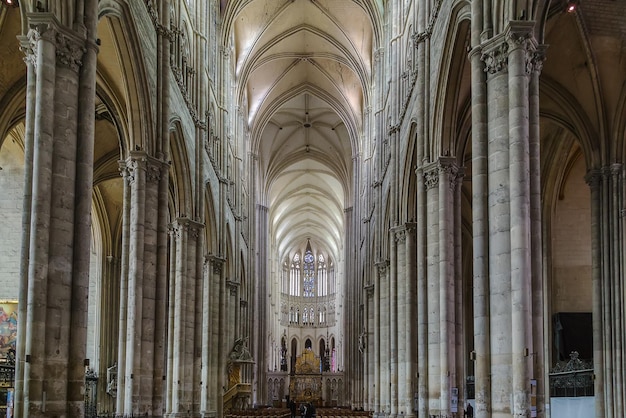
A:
x,y
306,384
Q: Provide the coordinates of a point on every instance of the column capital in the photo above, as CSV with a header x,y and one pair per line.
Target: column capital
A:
x,y
594,178
431,176
140,160
520,34
538,58
382,266
70,45
216,261
495,55
184,224
410,227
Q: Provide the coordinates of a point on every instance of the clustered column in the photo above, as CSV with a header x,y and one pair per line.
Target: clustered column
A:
x,y
608,266
141,302
51,353
503,208
182,379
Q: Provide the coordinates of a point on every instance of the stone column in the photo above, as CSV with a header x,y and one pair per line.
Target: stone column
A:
x,y
212,378
539,325
447,171
377,337
393,337
139,290
29,139
368,348
402,307
521,46
123,301
136,166
594,180
108,322
499,207
161,22
480,222
422,297
433,291
181,351
52,347
607,223
409,384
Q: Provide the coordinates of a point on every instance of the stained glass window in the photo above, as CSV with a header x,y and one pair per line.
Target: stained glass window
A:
x,y
309,275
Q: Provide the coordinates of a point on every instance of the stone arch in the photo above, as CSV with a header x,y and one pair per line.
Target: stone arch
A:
x,y
210,220
453,97
408,207
131,67
180,189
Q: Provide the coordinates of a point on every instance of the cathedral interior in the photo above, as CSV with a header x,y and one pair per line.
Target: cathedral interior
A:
x,y
408,208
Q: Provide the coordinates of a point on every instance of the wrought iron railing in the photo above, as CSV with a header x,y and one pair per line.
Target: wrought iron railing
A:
x,y
572,378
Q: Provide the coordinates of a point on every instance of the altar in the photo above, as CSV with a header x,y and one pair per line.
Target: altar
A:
x,y
306,384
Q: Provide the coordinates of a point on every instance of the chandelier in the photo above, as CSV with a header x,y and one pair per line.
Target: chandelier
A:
x,y
10,3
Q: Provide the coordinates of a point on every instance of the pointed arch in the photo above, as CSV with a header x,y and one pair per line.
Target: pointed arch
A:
x,y
122,69
454,84
180,174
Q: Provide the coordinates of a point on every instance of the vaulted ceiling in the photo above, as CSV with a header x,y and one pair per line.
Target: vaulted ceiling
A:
x,y
303,70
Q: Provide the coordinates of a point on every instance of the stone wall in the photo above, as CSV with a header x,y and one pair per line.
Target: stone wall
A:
x,y
11,197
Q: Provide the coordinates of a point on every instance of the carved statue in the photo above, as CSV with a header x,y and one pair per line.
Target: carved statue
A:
x,y
112,380
362,337
240,351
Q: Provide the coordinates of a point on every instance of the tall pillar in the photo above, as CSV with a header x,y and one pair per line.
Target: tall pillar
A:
x,y
377,358
393,325
107,323
499,207
211,364
480,220
539,318
408,386
51,350
383,327
139,290
447,171
403,303
29,139
608,261
181,352
521,46
433,292
422,297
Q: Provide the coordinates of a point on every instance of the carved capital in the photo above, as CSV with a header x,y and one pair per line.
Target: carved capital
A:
x,y
132,167
538,58
616,170
216,262
400,235
594,178
495,57
70,51
382,267
431,177
28,47
233,286
448,167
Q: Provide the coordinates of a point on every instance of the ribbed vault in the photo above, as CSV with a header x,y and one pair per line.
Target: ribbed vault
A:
x,y
303,68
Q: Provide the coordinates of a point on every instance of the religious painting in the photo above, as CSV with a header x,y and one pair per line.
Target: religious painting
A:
x,y
8,327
